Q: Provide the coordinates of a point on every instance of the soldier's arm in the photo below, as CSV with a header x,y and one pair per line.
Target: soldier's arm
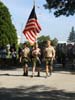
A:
x,y
39,52
20,59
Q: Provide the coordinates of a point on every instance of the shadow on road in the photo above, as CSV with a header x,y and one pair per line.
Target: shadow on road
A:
x,y
35,93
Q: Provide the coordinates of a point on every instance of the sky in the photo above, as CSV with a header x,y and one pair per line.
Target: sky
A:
x,y
59,28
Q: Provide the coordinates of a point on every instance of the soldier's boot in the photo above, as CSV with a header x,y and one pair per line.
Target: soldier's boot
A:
x,y
26,72
38,74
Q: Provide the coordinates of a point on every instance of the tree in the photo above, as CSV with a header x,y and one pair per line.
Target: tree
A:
x,y
72,35
61,7
54,42
8,33
42,40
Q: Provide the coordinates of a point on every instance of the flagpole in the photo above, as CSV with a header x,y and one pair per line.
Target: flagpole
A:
x,y
34,6
31,32
33,2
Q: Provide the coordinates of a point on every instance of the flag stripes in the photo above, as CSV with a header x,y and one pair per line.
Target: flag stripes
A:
x,y
32,27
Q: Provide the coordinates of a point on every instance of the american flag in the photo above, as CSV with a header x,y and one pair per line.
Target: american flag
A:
x,y
32,27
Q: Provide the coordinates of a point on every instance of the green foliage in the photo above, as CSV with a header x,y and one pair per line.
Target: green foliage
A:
x,y
42,40
8,33
54,42
72,35
3,40
61,7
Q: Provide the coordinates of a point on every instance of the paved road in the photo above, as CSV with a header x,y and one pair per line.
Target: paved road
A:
x,y
59,86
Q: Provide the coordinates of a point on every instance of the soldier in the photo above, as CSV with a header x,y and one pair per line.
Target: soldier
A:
x,y
35,59
25,59
49,54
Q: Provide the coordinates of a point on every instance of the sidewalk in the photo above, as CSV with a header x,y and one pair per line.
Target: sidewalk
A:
x,y
59,86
